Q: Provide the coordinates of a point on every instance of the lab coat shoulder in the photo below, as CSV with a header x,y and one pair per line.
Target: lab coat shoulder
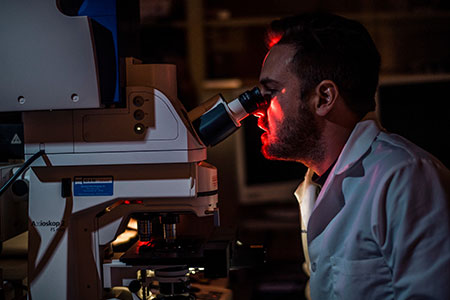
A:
x,y
406,171
411,217
380,225
400,151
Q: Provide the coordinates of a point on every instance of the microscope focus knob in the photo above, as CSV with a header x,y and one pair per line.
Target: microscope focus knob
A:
x,y
20,187
134,286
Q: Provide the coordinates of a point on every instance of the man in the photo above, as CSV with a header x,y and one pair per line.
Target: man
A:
x,y
374,207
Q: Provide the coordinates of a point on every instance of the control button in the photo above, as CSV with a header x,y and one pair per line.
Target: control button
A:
x,y
138,101
75,98
139,114
139,128
313,266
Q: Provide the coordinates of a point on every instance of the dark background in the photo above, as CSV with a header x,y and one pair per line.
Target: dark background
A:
x,y
210,40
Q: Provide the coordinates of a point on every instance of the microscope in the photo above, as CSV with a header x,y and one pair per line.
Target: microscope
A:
x,y
92,166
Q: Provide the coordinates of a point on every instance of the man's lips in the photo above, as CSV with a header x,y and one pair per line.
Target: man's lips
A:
x,y
264,138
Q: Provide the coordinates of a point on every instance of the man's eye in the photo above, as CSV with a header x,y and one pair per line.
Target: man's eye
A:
x,y
270,93
267,97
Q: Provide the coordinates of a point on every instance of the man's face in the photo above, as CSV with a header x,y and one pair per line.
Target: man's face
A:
x,y
292,131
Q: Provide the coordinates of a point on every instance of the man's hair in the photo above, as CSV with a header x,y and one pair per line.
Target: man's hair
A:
x,y
334,48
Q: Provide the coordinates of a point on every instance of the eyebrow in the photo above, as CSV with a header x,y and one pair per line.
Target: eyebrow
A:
x,y
265,81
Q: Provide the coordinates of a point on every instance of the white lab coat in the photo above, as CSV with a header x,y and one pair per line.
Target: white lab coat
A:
x,y
380,227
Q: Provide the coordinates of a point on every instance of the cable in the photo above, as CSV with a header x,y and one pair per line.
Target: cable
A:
x,y
20,171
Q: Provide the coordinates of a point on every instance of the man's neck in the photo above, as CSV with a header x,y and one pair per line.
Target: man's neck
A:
x,y
334,138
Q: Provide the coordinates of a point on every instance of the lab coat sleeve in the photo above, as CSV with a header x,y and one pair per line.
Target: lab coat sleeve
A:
x,y
412,227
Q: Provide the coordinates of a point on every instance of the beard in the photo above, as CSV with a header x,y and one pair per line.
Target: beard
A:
x,y
298,138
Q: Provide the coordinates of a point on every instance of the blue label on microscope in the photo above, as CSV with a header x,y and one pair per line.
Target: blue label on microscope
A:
x,y
93,186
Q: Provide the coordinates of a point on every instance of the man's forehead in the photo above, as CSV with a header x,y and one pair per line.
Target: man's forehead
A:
x,y
281,55
277,61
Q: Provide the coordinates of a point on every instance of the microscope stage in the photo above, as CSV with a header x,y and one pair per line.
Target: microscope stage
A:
x,y
182,251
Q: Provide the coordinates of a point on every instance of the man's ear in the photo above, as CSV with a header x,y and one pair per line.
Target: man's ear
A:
x,y
326,96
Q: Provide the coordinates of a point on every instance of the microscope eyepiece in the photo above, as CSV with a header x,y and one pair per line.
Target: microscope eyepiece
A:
x,y
225,118
251,100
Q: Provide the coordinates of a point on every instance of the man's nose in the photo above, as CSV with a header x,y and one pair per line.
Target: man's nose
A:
x,y
259,113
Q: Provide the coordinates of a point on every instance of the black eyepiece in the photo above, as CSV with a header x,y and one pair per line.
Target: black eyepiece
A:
x,y
219,122
252,100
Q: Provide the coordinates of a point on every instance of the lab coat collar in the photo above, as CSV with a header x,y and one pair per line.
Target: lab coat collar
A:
x,y
306,194
358,143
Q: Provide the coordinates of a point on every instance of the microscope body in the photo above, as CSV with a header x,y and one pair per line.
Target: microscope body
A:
x,y
102,166
104,163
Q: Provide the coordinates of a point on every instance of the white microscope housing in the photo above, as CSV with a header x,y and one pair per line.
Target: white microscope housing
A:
x,y
101,165
96,164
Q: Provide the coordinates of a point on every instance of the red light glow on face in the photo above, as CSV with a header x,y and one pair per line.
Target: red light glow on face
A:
x,y
259,114
274,112
271,121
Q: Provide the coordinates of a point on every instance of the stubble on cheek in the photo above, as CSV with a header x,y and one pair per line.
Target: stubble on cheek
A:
x,y
294,139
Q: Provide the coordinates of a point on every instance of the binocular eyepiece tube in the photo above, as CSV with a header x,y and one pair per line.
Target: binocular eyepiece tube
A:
x,y
225,118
